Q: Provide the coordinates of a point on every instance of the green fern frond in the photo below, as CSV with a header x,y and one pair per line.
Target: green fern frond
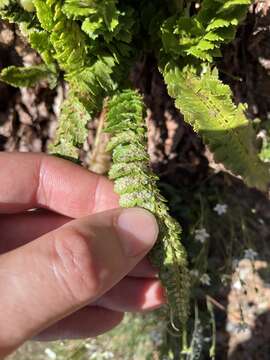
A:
x,y
207,105
28,76
45,14
82,8
102,19
201,35
102,12
137,186
92,84
39,40
66,37
91,67
72,131
13,11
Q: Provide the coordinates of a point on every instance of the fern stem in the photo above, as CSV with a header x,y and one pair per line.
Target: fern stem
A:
x,y
99,159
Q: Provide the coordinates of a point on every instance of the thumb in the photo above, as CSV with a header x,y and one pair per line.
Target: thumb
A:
x,y
62,271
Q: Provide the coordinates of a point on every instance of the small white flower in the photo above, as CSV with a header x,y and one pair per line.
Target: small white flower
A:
x,y
221,209
205,280
250,254
201,235
262,134
108,355
50,354
194,273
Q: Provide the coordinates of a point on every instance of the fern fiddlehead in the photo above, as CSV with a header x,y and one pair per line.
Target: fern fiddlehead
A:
x,y
137,186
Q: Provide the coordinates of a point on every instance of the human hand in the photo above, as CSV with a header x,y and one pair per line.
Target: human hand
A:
x,y
72,267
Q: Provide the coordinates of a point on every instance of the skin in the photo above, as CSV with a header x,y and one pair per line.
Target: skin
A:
x,y
73,266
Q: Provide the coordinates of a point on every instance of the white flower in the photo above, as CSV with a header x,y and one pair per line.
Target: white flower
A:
x,y
250,254
50,354
221,209
108,355
194,273
201,235
205,279
262,134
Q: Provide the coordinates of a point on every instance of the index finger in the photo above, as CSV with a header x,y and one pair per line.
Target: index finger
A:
x,y
40,181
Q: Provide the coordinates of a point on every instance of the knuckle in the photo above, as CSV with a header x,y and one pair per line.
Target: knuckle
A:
x,y
73,264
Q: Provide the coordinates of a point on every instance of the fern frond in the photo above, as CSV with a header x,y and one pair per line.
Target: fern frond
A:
x,y
13,11
102,19
71,132
66,37
201,35
28,76
40,41
137,186
76,9
45,14
92,84
207,105
91,67
27,21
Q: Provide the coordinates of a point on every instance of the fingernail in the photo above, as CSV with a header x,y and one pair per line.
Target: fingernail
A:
x,y
138,231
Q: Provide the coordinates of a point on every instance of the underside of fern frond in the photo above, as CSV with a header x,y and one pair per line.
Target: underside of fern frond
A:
x,y
206,104
137,186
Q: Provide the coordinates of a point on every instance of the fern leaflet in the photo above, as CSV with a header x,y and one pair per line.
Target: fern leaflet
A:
x,y
28,76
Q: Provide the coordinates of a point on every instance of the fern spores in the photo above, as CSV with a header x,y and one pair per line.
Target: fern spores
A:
x,y
137,186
